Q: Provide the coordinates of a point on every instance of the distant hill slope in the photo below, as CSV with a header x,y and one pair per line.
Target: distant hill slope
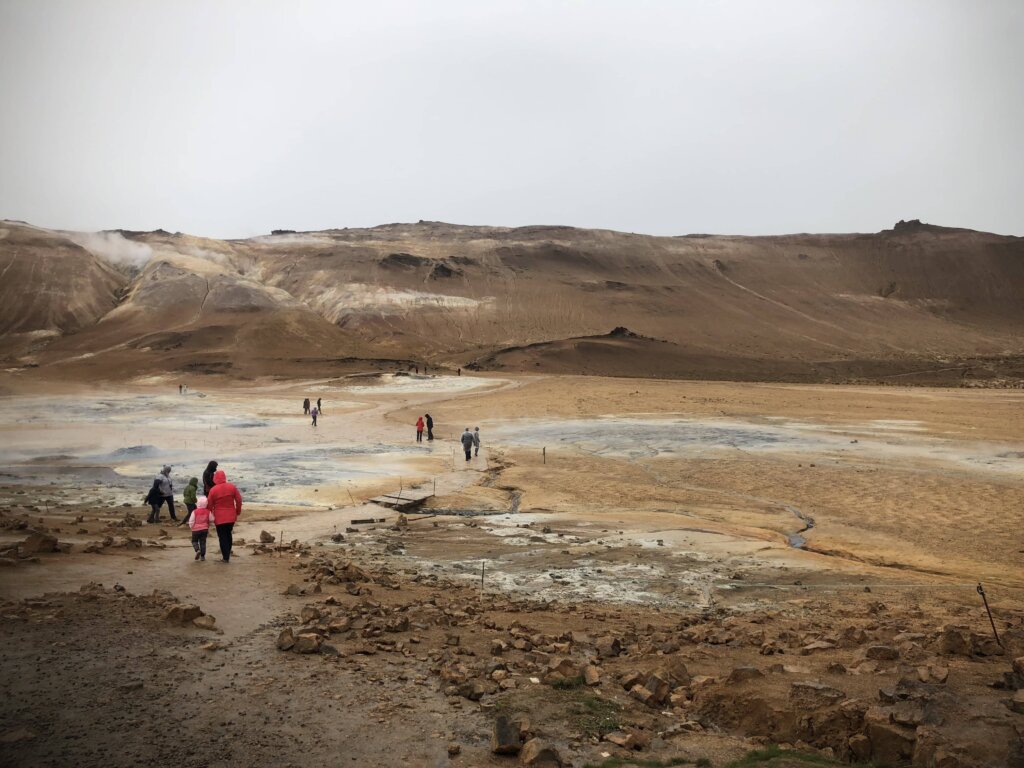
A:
x,y
893,305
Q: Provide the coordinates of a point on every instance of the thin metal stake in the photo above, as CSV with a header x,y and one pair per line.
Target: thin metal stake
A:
x,y
981,591
483,565
544,453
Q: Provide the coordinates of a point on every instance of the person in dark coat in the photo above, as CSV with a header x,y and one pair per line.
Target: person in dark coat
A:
x,y
467,443
162,492
208,477
430,426
305,407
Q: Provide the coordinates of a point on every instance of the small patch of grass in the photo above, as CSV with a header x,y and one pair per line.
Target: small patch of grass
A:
x,y
593,715
637,762
774,757
569,683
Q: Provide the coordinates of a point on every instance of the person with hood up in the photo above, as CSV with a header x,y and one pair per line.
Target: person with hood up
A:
x,y
225,504
419,429
476,441
467,443
199,521
305,407
208,477
190,497
161,493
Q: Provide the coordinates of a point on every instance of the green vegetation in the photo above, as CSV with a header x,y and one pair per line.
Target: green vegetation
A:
x,y
593,715
569,683
637,762
773,757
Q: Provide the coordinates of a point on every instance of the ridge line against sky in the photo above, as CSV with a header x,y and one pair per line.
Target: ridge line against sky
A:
x,y
228,119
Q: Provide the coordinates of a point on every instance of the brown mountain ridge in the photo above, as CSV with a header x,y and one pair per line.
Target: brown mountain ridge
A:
x,y
914,304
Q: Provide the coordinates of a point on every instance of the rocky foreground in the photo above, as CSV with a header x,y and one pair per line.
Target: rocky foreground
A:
x,y
392,665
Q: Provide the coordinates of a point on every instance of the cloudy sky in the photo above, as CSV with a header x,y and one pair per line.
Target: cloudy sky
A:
x,y
230,119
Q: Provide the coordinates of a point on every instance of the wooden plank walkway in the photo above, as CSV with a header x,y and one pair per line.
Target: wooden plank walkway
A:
x,y
407,498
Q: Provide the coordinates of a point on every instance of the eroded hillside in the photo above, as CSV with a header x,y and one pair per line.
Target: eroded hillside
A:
x,y
915,303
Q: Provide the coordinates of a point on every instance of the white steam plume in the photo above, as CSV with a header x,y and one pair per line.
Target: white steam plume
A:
x,y
113,247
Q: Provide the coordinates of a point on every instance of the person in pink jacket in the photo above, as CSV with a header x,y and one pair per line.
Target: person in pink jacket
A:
x,y
225,502
199,522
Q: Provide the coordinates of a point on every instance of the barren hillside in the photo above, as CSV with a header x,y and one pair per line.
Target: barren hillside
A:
x,y
915,303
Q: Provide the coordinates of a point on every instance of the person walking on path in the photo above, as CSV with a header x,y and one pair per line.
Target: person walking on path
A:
x,y
161,493
305,407
467,443
199,521
314,413
419,430
225,503
190,497
430,426
208,477
319,406
476,441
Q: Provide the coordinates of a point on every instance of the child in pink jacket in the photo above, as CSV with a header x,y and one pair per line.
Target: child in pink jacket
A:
x,y
199,522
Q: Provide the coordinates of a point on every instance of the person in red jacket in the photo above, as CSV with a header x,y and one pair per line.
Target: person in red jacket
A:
x,y
225,502
419,430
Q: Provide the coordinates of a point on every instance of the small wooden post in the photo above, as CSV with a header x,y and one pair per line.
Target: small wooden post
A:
x,y
280,543
544,453
483,566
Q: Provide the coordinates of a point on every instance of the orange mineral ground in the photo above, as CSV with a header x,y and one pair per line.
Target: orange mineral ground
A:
x,y
732,494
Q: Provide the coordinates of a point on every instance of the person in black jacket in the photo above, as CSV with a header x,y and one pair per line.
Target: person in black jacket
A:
x,y
430,426
208,477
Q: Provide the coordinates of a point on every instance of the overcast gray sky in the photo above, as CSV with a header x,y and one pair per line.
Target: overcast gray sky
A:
x,y
229,119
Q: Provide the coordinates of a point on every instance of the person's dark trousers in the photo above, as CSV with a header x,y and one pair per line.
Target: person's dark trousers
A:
x,y
170,506
224,536
154,514
189,509
199,542
430,433
468,452
419,436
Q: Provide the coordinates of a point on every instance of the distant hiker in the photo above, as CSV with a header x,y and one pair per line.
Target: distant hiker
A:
x,y
476,441
161,493
417,370
458,371
314,413
467,443
425,373
190,496
419,430
305,407
179,389
208,477
199,522
186,389
319,406
430,426
225,503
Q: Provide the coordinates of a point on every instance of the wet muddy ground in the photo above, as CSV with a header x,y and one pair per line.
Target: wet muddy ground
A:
x,y
766,506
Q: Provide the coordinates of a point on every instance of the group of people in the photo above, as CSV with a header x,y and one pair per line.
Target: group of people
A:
x,y
470,440
424,421
220,504
315,411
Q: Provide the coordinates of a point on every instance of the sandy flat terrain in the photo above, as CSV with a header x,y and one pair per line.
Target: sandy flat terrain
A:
x,y
728,523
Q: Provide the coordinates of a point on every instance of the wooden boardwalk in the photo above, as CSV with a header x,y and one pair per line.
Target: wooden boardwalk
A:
x,y
405,499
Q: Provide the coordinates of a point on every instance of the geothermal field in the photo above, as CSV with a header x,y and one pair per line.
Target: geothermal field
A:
x,y
734,498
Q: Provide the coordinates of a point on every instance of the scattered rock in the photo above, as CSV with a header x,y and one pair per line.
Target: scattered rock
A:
x,y
592,675
538,752
39,543
881,653
182,614
505,739
266,538
742,674
206,621
286,640
307,642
